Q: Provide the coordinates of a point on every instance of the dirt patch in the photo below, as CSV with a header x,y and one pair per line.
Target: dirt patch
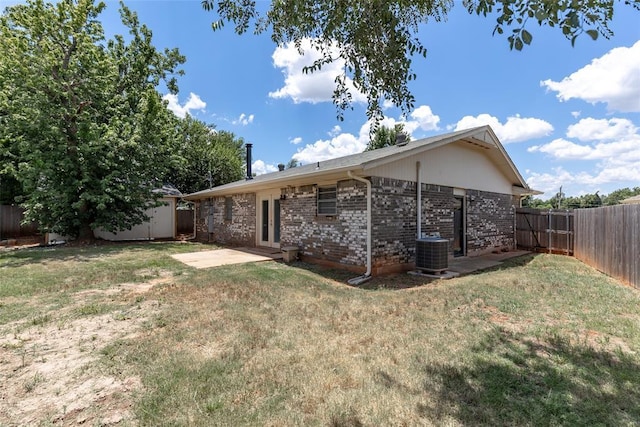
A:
x,y
49,371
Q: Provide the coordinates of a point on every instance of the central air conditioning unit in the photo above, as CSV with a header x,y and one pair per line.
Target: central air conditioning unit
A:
x,y
432,254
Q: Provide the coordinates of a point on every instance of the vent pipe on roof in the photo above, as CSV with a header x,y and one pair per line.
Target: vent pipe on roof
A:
x,y
280,167
401,140
249,174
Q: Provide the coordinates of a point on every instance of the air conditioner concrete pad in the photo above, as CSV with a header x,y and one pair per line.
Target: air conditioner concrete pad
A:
x,y
443,275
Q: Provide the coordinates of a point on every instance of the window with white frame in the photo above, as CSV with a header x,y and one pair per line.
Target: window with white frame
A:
x,y
328,200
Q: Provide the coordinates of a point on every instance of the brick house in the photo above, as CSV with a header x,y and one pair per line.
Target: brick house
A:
x,y
360,211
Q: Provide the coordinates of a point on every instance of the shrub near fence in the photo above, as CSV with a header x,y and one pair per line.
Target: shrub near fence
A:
x,y
608,239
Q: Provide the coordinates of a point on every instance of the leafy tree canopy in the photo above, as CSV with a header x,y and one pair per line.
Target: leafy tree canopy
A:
x,y
81,118
384,137
292,163
615,197
208,157
594,200
377,39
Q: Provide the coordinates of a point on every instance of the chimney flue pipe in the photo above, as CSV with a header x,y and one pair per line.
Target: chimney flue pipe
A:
x,y
249,174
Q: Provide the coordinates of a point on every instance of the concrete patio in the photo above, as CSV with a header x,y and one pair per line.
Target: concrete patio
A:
x,y
219,257
466,265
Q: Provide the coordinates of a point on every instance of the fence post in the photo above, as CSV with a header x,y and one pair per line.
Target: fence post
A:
x,y
549,231
566,218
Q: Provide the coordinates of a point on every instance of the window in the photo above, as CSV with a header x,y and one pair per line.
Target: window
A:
x,y
327,200
228,208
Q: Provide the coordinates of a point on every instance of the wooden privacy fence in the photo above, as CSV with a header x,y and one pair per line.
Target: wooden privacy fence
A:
x,y
545,230
185,221
10,223
608,239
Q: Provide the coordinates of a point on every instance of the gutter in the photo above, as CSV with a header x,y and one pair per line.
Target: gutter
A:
x,y
260,182
367,275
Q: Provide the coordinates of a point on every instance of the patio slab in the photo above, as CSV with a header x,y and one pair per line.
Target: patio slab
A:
x,y
218,257
466,265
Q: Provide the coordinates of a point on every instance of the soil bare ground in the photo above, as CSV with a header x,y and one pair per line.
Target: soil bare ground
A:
x,y
48,364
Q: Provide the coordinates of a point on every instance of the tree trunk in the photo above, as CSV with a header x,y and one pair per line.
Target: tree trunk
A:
x,y
85,233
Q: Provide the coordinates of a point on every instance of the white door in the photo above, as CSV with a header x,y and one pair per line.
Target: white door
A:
x,y
269,219
163,221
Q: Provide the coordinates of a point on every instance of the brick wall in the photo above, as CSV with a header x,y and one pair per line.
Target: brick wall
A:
x,y
437,211
240,230
394,219
393,222
341,238
201,207
337,239
490,221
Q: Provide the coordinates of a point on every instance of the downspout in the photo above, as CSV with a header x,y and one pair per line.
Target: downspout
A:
x,y
419,199
367,275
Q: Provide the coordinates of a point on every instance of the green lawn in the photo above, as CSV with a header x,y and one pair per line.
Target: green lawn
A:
x,y
542,340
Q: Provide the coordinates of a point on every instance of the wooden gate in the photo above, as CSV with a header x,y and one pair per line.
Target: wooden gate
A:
x,y
185,221
545,230
11,225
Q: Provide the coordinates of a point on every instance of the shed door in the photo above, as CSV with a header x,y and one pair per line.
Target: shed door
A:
x,y
163,221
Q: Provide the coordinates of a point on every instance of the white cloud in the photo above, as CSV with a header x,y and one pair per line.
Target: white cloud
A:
x,y
613,79
386,104
516,129
563,149
424,118
589,129
616,176
311,87
625,151
193,103
576,114
260,168
344,144
297,140
614,151
335,130
340,145
243,119
550,183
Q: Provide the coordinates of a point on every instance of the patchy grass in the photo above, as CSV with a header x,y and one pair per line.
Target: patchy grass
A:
x,y
540,340
544,340
62,269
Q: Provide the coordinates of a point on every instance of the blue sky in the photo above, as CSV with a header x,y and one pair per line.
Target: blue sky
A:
x,y
568,116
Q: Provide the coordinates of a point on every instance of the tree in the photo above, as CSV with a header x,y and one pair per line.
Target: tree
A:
x,y
292,163
208,157
535,203
579,202
82,115
616,196
590,200
385,137
377,39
